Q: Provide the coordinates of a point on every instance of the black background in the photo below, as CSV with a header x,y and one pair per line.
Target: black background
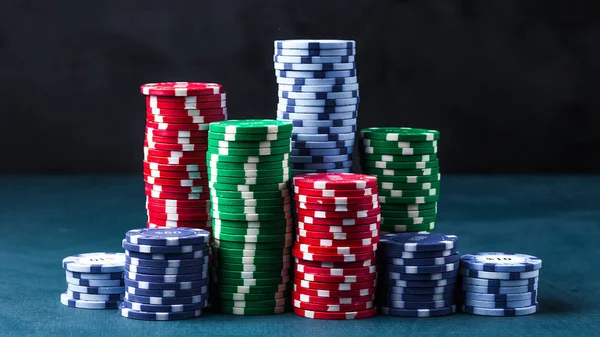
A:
x,y
513,86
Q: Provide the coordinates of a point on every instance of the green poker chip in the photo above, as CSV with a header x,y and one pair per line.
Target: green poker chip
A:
x,y
252,126
261,151
396,134
398,158
250,267
407,180
266,166
254,224
250,216
216,178
407,193
250,311
255,249
388,220
250,297
249,195
397,144
401,173
248,144
212,157
243,173
409,214
250,210
400,165
250,281
251,231
406,228
249,188
254,304
407,207
409,186
250,202
252,274
262,238
252,260
406,151
250,290
408,200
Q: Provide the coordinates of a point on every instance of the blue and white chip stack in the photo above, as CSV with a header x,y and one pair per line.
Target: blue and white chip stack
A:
x,y
166,273
318,92
94,280
417,274
500,284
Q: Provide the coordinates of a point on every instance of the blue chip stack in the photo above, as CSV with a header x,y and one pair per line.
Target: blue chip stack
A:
x,y
166,273
318,93
94,280
417,274
500,284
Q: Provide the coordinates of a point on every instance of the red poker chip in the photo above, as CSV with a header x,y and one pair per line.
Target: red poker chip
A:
x,y
174,154
334,293
178,196
176,182
175,161
336,315
335,193
338,208
335,200
175,168
323,264
333,286
335,271
171,223
336,236
338,229
185,105
185,120
335,181
332,257
178,210
339,215
181,89
175,175
197,225
176,189
335,279
331,300
179,217
177,133
177,127
337,243
186,112
176,147
177,203
175,140
336,250
182,99
337,221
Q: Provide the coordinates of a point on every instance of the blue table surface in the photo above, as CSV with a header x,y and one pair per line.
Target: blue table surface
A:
x,y
555,218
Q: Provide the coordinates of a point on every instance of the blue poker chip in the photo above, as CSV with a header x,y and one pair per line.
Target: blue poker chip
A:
x,y
319,89
501,297
500,290
95,276
166,271
323,138
315,52
297,172
166,293
418,284
317,95
418,312
96,290
167,263
417,290
415,305
95,297
319,102
166,278
320,159
322,152
314,59
164,307
499,283
132,247
422,262
168,286
168,236
317,81
315,74
314,67
411,242
323,166
167,300
317,117
499,276
316,109
500,305
322,145
501,262
314,44
421,277
417,298
95,263
68,301
157,316
440,268
320,123
160,256
95,283
532,309
391,253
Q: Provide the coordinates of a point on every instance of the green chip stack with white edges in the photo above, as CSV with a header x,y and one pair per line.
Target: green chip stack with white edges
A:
x,y
405,161
249,180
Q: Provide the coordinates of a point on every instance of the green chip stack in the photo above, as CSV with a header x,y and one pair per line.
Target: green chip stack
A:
x,y
408,175
249,181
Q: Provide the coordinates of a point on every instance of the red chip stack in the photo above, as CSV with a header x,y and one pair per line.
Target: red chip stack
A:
x,y
175,144
336,241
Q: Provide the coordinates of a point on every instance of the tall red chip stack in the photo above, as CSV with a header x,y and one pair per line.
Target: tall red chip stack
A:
x,y
336,241
175,144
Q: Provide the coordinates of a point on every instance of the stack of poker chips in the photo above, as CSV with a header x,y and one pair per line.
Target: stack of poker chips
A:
x,y
336,240
177,118
500,284
404,160
166,273
417,274
249,183
318,93
94,280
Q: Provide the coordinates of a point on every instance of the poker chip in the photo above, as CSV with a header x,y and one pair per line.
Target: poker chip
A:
x,y
164,307
528,310
317,81
185,112
180,89
67,300
166,300
165,263
157,316
349,315
500,262
95,283
422,312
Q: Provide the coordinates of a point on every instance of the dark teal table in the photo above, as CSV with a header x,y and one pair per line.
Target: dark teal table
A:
x,y
556,218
